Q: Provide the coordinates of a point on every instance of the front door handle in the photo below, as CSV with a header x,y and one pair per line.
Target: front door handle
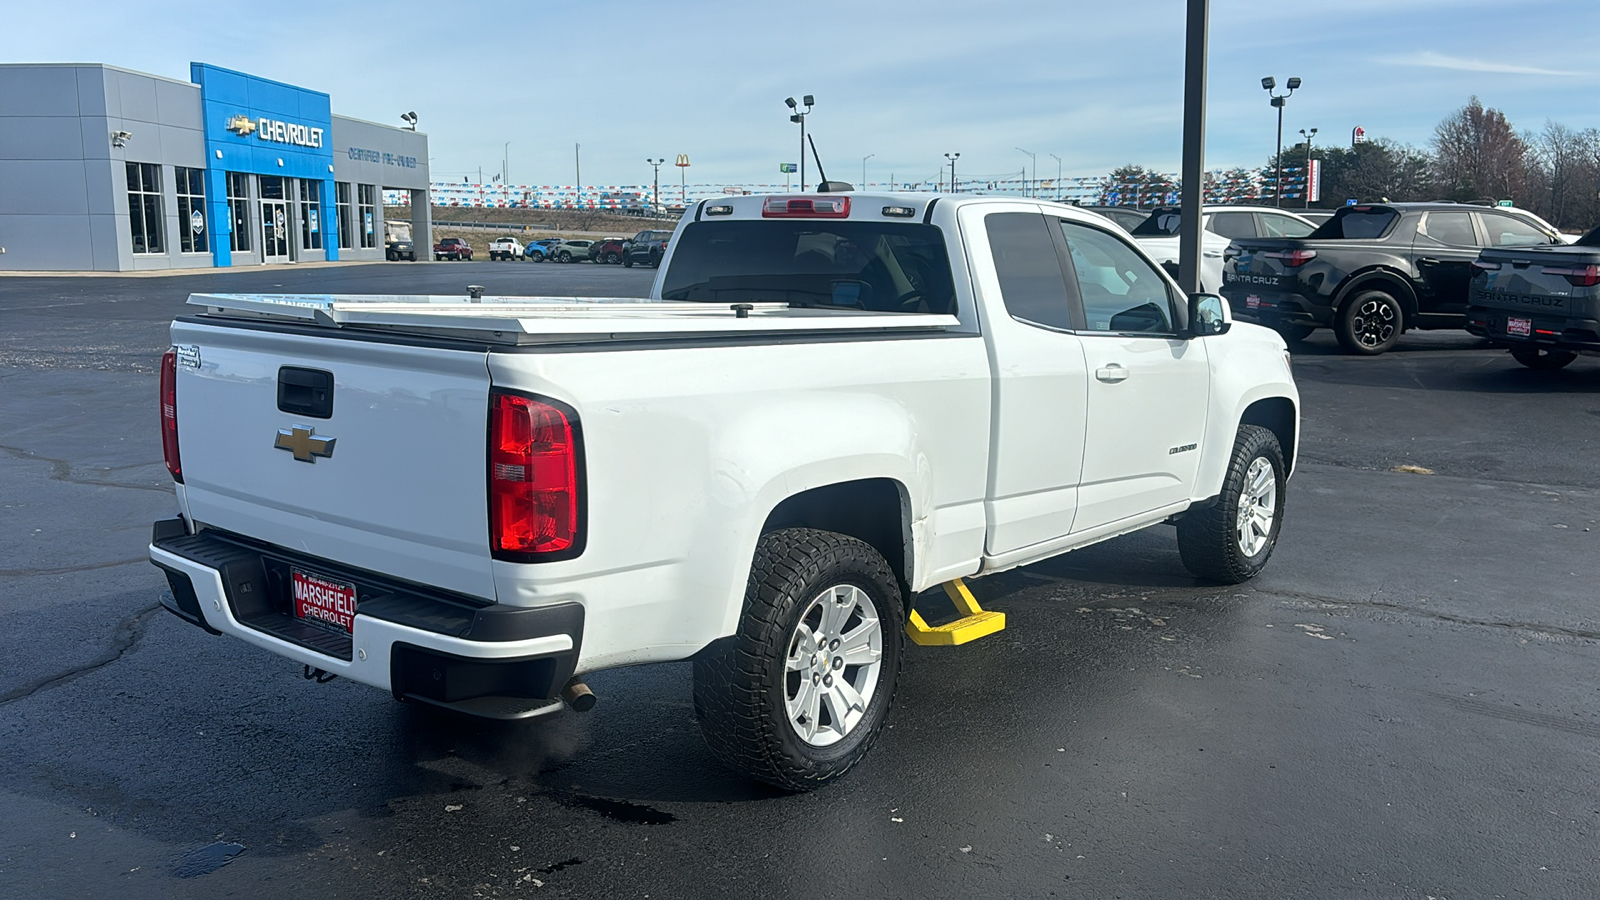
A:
x,y
1111,374
1427,261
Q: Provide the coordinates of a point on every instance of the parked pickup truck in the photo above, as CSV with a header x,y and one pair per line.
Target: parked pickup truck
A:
x,y
828,404
1373,271
508,248
452,248
1542,302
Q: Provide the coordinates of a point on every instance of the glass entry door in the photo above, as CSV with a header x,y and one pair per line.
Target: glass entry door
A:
x,y
275,243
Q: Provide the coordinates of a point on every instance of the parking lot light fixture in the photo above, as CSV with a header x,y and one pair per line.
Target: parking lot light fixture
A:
x,y
952,157
799,117
1058,176
1278,101
864,169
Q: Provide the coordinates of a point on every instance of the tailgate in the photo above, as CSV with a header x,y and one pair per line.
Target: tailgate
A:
x,y
1546,280
400,490
1259,263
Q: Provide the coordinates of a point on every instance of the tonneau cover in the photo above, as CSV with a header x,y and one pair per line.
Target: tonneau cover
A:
x,y
532,320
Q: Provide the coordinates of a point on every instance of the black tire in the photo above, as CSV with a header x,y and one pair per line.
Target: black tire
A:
x,y
1208,537
627,261
655,260
565,256
1294,334
1369,323
742,685
612,259
1542,359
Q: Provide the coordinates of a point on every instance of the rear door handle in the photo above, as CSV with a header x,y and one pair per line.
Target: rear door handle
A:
x,y
1427,261
1111,374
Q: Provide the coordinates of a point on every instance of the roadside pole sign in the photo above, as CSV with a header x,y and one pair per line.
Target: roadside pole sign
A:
x,y
683,161
787,168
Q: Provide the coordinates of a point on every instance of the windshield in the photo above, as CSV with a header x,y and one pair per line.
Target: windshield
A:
x,y
878,266
1357,222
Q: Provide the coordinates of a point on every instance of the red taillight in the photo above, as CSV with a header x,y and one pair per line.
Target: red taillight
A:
x,y
533,479
169,414
1292,258
806,207
1578,276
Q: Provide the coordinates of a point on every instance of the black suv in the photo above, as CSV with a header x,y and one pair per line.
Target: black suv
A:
x,y
646,248
1371,272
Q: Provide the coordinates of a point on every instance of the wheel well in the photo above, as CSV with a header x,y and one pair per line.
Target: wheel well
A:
x,y
1276,414
873,510
1384,281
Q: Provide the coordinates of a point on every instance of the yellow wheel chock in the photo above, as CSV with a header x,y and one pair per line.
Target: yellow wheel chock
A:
x,y
975,621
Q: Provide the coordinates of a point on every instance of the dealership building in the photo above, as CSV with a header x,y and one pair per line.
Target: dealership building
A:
x,y
105,169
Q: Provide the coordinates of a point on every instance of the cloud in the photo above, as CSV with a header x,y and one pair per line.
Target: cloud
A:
x,y
1428,59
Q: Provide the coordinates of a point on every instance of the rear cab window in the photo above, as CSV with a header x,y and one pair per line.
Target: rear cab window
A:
x,y
860,265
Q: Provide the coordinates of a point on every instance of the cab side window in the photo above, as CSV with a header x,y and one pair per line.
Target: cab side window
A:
x,y
1233,225
1453,229
1510,231
1274,225
1031,281
1121,291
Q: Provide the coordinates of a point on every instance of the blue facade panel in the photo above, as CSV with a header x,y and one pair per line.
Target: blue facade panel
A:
x,y
264,127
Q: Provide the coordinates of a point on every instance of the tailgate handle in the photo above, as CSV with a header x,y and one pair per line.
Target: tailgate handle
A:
x,y
305,392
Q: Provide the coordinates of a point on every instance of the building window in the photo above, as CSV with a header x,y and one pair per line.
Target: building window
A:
x,y
145,220
191,185
310,214
367,196
347,228
239,211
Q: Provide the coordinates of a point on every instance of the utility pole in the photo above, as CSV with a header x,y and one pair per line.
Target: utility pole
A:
x,y
505,164
1194,144
1025,191
577,172
864,169
1308,135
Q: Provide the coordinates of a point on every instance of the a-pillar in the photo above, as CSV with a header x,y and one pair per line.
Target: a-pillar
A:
x,y
422,224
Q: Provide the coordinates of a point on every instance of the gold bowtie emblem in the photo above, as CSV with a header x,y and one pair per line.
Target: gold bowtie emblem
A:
x,y
302,442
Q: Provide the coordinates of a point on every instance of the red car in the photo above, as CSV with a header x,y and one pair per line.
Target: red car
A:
x,y
607,250
452,248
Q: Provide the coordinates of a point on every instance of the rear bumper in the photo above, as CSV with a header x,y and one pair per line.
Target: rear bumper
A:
x,y
1271,308
1559,332
418,644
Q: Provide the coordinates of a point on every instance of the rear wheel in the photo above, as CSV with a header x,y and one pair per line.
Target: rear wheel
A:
x,y
1369,323
655,259
565,257
1542,358
799,694
612,259
627,262
1232,539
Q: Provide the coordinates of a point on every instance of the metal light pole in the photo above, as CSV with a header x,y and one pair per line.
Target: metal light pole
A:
x,y
577,174
655,193
1278,101
505,164
1026,180
799,116
1058,176
1308,135
864,169
1194,143
952,157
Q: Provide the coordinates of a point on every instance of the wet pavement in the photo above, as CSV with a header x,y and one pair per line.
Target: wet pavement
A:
x,y
1403,705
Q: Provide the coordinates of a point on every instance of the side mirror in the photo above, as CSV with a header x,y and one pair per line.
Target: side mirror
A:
x,y
1208,315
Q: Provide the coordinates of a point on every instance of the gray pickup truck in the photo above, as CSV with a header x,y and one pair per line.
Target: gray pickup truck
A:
x,y
1542,302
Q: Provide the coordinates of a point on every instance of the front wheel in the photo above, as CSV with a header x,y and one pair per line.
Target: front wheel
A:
x,y
798,695
1231,540
565,257
627,262
1369,323
1542,359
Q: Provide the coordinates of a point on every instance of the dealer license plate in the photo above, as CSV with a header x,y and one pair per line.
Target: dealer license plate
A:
x,y
324,601
1515,325
1251,301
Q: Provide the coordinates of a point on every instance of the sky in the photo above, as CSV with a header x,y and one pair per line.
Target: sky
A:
x,y
1098,83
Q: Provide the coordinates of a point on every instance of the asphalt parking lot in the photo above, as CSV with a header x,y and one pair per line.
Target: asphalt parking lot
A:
x,y
1403,705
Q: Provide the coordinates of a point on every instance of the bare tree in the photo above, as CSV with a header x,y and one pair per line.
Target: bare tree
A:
x,y
1478,155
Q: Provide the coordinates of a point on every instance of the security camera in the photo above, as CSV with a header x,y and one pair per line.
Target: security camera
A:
x,y
120,138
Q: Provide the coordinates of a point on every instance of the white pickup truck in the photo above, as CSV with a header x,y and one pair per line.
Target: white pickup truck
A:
x,y
829,403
